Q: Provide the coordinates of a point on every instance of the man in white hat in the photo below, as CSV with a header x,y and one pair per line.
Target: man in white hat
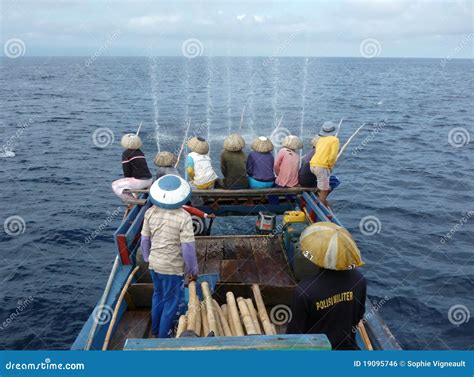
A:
x,y
168,245
324,159
330,301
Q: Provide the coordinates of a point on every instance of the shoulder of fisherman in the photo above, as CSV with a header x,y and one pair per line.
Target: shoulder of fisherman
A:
x,y
327,149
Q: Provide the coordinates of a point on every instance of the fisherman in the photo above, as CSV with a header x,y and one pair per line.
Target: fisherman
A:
x,y
260,164
165,162
233,163
332,300
135,169
308,179
287,162
324,159
201,175
168,245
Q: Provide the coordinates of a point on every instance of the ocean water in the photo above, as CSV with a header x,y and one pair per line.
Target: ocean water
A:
x,y
406,196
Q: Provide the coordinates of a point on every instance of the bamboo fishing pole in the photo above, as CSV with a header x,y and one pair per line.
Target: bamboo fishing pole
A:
x,y
183,143
349,140
242,118
339,126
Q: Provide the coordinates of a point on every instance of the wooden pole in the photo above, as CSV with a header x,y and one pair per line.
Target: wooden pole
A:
x,y
117,308
253,314
204,320
218,318
223,320
211,313
192,307
365,336
262,311
198,318
182,323
234,313
246,317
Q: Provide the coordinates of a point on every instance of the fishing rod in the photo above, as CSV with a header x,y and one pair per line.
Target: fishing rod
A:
x,y
183,143
139,128
242,118
339,126
349,140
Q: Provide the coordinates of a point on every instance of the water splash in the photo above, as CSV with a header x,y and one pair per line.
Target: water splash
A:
x,y
210,74
154,95
251,96
229,95
303,100
276,78
186,89
6,153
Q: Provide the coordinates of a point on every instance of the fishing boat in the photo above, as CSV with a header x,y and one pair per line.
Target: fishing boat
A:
x,y
272,261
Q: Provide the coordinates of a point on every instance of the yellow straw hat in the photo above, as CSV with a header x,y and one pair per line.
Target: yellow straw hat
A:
x,y
131,141
292,142
199,145
330,246
163,159
262,144
234,143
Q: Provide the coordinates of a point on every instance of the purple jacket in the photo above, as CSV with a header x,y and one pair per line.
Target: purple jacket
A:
x,y
260,166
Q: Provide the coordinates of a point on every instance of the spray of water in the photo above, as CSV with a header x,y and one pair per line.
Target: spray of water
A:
x,y
303,99
229,95
276,77
154,96
251,96
210,74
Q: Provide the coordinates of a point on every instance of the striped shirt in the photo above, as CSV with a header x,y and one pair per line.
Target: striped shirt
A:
x,y
167,229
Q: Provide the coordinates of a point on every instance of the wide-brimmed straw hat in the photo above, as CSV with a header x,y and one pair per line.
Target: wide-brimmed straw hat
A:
x,y
292,142
262,144
163,159
330,246
199,145
234,143
328,129
170,192
131,141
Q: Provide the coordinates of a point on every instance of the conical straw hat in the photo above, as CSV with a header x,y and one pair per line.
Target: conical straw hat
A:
x,y
163,159
315,139
292,142
170,192
131,141
234,143
199,145
330,246
262,144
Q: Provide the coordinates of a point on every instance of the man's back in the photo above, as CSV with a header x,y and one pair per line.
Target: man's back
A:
x,y
332,303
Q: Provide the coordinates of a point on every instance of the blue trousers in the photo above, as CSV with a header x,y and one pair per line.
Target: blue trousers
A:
x,y
167,302
255,184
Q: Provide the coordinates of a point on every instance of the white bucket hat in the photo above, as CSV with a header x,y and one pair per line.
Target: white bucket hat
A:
x,y
170,192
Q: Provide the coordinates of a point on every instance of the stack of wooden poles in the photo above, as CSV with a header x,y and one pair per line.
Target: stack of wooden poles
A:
x,y
237,317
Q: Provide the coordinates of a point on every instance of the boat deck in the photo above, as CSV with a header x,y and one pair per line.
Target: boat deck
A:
x,y
240,262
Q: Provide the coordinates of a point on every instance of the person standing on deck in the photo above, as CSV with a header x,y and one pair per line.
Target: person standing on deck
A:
x,y
287,162
325,158
165,162
332,300
233,163
308,179
168,246
201,175
260,164
135,169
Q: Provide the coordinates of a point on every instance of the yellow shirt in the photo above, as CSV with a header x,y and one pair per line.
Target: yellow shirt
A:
x,y
325,156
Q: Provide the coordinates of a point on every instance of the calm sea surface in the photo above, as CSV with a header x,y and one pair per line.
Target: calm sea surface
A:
x,y
408,180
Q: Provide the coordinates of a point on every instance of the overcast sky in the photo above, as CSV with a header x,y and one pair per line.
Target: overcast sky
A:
x,y
234,28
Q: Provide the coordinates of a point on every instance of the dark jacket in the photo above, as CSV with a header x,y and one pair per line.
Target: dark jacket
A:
x,y
305,177
260,166
233,169
134,164
331,303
